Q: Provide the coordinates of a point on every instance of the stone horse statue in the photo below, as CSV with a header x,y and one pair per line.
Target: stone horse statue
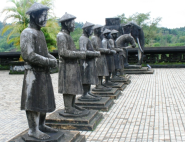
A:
x,y
138,35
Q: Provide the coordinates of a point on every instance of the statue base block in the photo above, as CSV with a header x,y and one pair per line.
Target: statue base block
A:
x,y
60,136
126,79
133,67
143,70
85,123
104,104
120,85
113,94
127,76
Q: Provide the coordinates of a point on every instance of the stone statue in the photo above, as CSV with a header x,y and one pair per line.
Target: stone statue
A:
x,y
70,81
109,57
138,35
118,57
37,92
101,62
123,42
88,67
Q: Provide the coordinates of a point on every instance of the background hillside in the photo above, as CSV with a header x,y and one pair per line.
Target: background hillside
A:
x,y
154,36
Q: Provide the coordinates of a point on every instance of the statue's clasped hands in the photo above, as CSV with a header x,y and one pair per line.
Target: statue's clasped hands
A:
x,y
113,51
52,63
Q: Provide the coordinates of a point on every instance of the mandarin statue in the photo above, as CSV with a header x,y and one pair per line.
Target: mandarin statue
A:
x,y
70,80
101,62
109,57
118,57
37,92
88,65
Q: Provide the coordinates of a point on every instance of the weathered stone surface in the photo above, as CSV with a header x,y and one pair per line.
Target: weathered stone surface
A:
x,y
143,70
86,123
125,79
61,136
114,93
133,67
119,85
137,32
104,104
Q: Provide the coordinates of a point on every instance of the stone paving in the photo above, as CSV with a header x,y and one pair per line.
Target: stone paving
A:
x,y
151,108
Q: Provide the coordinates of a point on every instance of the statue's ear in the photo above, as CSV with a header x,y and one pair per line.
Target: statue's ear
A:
x,y
86,29
66,23
32,15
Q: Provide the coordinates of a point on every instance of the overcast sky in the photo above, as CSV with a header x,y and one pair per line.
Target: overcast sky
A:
x,y
95,11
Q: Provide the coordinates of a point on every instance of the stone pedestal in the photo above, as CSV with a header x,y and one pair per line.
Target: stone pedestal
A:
x,y
60,136
125,79
113,94
120,85
133,67
142,70
85,123
104,104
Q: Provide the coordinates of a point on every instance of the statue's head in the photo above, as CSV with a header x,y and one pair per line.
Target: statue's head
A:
x,y
114,34
38,14
40,18
68,22
106,33
97,30
88,28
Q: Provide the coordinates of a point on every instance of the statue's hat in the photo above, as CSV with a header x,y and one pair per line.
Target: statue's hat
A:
x,y
97,26
36,7
106,31
66,17
87,24
114,32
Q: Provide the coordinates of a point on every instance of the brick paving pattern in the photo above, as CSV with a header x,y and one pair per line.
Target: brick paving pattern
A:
x,y
151,108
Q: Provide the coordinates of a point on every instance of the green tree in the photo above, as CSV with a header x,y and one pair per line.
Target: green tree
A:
x,y
148,25
21,21
76,35
182,39
123,18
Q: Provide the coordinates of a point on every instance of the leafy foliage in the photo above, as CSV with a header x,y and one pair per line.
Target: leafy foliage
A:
x,y
76,35
156,36
21,21
50,32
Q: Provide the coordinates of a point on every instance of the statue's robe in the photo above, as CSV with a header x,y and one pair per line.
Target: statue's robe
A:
x,y
101,62
117,57
109,57
37,91
88,65
70,81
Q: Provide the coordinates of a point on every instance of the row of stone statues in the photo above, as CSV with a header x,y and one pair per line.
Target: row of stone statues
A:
x,y
78,69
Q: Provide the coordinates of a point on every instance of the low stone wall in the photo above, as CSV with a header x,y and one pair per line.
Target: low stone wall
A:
x,y
156,57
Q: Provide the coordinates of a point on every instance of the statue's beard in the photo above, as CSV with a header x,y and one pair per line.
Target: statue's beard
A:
x,y
41,23
71,29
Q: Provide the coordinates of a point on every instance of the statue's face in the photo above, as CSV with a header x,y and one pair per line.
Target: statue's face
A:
x,y
41,18
114,35
98,31
106,35
89,31
70,25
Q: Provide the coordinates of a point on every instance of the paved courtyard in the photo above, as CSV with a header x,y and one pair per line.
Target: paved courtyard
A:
x,y
151,108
